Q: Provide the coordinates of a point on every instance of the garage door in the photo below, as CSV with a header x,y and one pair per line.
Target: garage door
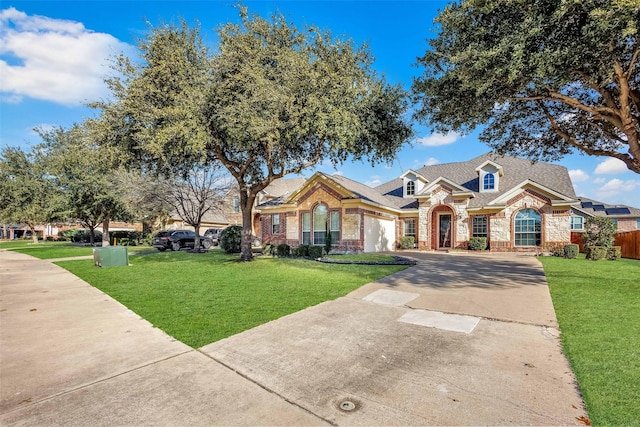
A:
x,y
379,234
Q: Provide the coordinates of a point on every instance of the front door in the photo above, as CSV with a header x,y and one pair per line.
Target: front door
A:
x,y
444,231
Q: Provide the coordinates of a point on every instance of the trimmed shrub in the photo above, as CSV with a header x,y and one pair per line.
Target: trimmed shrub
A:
x,y
315,252
478,243
283,250
555,249
614,253
301,251
571,251
407,242
267,249
231,238
595,253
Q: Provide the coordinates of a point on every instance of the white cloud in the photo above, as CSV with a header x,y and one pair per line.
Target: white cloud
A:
x,y
611,166
53,59
431,161
618,185
374,181
438,139
600,180
578,175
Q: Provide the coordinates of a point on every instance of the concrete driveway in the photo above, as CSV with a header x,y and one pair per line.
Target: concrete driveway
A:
x,y
454,340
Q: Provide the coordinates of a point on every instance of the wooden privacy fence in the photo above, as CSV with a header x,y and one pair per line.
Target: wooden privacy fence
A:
x,y
629,241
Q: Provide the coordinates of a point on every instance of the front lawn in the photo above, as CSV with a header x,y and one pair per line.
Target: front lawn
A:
x,y
598,308
202,298
51,250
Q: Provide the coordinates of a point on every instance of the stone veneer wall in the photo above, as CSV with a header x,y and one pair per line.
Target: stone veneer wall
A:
x,y
555,230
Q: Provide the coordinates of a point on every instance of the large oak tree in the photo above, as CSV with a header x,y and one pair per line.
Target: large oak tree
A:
x,y
271,100
543,77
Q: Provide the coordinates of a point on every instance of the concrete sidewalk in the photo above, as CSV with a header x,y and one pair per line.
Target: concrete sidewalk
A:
x,y
387,354
71,355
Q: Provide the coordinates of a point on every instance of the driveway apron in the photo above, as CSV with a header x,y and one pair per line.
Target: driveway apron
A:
x,y
454,340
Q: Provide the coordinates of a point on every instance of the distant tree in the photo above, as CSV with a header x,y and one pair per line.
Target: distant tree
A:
x,y
270,102
203,190
546,77
27,193
85,174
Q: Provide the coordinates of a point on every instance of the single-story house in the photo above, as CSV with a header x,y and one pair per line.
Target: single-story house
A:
x,y
516,204
626,218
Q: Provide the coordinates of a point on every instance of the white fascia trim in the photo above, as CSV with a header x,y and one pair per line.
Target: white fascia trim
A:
x,y
490,162
515,190
457,189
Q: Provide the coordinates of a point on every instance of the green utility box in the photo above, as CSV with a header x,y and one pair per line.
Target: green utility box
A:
x,y
111,256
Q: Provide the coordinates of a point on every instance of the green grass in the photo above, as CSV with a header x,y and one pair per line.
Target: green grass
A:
x,y
50,250
202,298
362,258
598,308
27,243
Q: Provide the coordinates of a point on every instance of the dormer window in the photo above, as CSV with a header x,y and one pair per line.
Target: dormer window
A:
x,y
411,188
489,182
489,174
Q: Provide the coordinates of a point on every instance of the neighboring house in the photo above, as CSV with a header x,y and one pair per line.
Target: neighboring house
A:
x,y
625,217
230,212
516,204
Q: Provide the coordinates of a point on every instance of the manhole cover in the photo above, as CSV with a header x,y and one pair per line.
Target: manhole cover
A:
x,y
347,406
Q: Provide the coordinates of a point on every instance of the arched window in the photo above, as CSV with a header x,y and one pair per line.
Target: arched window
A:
x,y
411,188
320,225
527,226
489,182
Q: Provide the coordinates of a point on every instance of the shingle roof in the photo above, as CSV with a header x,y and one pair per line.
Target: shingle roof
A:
x,y
516,171
595,208
283,186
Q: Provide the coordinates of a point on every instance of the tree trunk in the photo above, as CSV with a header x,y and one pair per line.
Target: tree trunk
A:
x,y
197,244
246,203
34,235
105,233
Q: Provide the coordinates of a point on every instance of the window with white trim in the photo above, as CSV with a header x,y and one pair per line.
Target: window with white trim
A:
x,y
527,228
479,226
275,223
334,226
411,188
306,228
410,227
489,182
319,225
577,223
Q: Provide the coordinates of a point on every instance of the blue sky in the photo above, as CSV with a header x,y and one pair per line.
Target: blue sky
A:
x,y
54,55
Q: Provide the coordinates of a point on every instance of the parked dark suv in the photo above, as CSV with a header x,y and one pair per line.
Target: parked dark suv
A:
x,y
178,239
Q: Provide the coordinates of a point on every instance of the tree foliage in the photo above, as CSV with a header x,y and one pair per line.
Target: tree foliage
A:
x,y
84,173
546,77
27,193
270,102
599,231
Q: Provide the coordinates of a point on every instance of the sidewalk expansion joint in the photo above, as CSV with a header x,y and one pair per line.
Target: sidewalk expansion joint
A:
x,y
262,386
92,383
